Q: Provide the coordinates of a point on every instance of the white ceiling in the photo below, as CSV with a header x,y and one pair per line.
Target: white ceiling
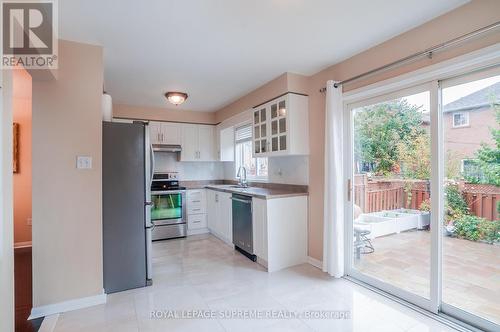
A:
x,y
219,50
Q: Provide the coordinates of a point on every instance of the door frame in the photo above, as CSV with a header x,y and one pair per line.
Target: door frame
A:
x,y
431,303
448,70
6,204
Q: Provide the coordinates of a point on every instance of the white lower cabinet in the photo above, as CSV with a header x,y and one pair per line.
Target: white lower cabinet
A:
x,y
259,225
280,231
279,227
220,215
196,207
197,221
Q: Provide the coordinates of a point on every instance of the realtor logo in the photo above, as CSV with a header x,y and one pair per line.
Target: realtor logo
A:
x,y
29,34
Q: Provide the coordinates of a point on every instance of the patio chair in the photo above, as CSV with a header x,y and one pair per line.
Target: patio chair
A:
x,y
362,243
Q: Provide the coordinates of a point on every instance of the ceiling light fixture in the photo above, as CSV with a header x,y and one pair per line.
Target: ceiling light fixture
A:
x,y
176,98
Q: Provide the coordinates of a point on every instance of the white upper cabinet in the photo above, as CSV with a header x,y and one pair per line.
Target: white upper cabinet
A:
x,y
171,133
281,127
226,144
165,133
189,142
155,132
206,143
198,143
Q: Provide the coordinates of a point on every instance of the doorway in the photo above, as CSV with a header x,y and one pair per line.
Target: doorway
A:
x,y
423,220
22,183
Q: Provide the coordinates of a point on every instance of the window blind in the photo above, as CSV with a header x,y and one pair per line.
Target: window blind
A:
x,y
243,133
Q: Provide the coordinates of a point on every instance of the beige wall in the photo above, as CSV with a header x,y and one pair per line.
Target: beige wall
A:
x,y
6,206
284,83
22,179
162,114
469,17
67,225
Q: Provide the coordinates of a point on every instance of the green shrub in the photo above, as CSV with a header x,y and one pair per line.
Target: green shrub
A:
x,y
455,206
455,201
475,228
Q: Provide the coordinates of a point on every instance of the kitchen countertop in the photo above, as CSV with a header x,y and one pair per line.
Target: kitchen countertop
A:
x,y
259,192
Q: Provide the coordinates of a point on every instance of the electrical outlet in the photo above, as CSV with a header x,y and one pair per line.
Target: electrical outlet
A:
x,y
29,221
83,162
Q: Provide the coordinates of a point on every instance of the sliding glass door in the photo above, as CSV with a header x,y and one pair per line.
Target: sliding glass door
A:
x,y
471,224
391,170
424,195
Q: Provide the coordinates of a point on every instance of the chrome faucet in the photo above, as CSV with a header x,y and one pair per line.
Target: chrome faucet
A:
x,y
242,176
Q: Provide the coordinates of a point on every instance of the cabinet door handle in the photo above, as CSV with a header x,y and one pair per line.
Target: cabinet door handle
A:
x,y
196,221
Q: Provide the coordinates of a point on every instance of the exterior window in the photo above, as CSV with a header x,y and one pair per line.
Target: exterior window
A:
x,y
256,167
471,171
460,119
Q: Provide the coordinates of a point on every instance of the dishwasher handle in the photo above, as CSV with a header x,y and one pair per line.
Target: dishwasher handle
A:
x,y
241,200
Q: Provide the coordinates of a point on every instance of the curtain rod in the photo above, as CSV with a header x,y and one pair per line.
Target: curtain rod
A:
x,y
428,52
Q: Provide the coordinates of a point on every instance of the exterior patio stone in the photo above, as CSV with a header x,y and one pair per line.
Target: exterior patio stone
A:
x,y
471,270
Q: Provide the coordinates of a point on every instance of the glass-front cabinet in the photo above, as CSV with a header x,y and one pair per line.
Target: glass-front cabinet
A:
x,y
272,123
278,126
260,130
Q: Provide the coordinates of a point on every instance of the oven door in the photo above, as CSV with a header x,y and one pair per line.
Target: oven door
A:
x,y
168,207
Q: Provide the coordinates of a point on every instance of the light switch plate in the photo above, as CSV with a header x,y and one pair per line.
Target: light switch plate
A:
x,y
83,162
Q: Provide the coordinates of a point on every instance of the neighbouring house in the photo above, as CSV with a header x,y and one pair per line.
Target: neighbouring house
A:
x,y
467,123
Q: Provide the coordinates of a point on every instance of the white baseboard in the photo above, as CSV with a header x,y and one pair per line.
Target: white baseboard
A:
x,y
315,262
197,231
56,308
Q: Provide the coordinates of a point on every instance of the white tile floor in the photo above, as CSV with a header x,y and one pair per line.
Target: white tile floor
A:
x,y
202,273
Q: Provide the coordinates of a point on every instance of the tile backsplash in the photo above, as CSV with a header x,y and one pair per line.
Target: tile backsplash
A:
x,y
188,171
286,170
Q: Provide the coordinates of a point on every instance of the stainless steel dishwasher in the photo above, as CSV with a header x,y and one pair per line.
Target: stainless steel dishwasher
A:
x,y
242,225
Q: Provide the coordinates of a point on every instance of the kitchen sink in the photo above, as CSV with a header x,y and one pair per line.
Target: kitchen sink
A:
x,y
238,186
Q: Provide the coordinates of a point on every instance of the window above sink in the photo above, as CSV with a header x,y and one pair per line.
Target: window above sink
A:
x,y
257,168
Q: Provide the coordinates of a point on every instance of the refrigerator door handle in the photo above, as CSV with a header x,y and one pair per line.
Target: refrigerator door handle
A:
x,y
152,154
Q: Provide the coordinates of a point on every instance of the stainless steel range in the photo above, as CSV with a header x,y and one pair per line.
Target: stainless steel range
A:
x,y
168,208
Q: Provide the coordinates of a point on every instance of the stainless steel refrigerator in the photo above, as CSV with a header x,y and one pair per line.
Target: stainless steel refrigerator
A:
x,y
126,198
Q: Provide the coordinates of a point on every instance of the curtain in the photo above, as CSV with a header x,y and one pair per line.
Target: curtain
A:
x,y
333,237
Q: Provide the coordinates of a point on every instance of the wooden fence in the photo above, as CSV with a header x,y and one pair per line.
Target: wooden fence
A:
x,y
382,194
482,199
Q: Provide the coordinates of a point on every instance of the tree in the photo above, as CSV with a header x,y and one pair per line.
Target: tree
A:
x,y
488,157
415,157
381,130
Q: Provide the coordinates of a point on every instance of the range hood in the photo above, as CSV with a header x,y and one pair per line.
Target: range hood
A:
x,y
166,148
